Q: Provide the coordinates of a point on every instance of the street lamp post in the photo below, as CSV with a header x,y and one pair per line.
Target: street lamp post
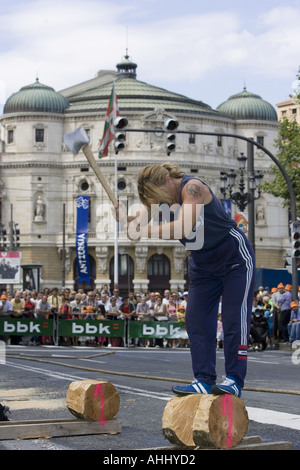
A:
x,y
241,198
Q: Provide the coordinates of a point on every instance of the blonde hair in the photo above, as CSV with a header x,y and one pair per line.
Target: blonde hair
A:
x,y
152,177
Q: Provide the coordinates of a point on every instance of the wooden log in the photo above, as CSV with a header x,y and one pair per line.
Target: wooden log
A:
x,y
205,421
94,400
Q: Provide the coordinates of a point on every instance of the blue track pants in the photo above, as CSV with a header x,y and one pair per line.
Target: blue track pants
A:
x,y
226,271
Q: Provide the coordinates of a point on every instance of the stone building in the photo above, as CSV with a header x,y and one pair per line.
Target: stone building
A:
x,y
289,109
41,179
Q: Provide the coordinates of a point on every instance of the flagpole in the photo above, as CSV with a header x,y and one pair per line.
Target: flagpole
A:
x,y
108,135
116,254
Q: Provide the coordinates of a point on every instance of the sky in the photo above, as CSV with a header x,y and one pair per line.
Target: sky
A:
x,y
206,50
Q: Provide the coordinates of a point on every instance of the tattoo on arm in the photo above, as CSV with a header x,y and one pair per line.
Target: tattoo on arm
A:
x,y
193,190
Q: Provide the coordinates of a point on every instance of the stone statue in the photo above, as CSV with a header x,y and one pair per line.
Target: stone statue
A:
x,y
39,210
260,215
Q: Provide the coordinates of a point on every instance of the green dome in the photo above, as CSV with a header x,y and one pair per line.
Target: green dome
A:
x,y
246,105
36,97
134,95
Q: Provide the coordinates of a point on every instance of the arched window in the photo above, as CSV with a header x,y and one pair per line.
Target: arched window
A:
x,y
159,273
126,273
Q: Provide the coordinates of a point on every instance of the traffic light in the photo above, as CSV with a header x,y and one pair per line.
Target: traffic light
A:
x,y
295,235
120,124
17,236
171,125
288,260
3,235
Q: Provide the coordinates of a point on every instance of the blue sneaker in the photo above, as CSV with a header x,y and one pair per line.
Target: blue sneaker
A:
x,y
229,385
193,388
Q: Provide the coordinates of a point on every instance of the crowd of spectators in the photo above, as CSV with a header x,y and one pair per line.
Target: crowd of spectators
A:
x,y
95,305
275,314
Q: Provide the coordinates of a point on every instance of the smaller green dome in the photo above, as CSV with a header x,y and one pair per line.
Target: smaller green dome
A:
x,y
246,105
36,97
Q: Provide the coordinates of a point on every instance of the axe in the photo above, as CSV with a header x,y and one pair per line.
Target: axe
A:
x,y
79,140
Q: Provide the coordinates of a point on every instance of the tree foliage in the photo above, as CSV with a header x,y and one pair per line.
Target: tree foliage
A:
x,y
288,145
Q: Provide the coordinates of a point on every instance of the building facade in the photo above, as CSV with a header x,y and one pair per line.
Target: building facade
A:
x,y
289,109
40,178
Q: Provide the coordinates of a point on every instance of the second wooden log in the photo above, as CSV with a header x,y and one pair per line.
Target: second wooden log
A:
x,y
94,400
206,421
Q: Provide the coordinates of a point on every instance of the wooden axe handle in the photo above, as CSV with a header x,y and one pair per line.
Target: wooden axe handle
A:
x,y
90,157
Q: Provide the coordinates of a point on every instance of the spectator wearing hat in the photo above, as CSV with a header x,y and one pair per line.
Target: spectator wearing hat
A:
x,y
294,324
276,310
284,303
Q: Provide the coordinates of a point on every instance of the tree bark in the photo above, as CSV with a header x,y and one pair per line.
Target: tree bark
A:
x,y
205,421
94,400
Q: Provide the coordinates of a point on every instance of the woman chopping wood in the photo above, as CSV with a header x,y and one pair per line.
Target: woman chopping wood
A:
x,y
221,265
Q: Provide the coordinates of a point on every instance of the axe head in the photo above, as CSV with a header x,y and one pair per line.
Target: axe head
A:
x,y
76,139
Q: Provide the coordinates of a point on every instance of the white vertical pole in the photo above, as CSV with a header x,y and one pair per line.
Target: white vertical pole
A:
x,y
116,254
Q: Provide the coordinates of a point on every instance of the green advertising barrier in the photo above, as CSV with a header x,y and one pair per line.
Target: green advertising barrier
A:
x,y
107,328
26,327
157,329
110,328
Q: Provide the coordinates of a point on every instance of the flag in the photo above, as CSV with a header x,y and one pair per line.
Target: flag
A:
x,y
108,133
81,239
